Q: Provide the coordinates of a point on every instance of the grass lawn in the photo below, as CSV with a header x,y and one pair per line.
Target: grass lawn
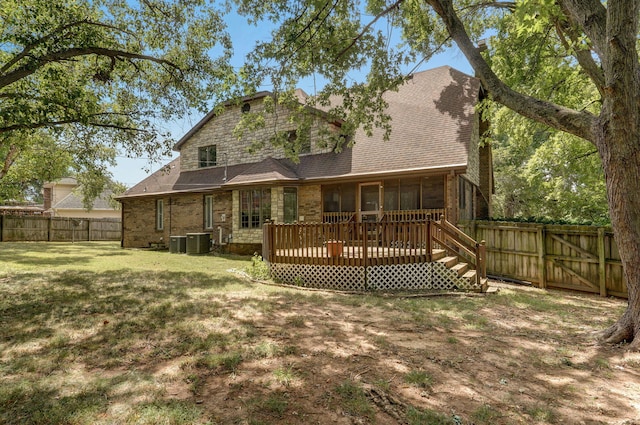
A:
x,y
94,334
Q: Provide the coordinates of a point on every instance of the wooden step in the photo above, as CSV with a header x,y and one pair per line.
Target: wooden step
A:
x,y
460,268
448,261
437,254
471,275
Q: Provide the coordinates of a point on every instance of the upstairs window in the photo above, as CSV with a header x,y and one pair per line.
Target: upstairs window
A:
x,y
207,156
305,146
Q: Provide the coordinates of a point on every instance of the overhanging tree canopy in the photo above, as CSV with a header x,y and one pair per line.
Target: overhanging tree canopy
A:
x,y
570,65
97,77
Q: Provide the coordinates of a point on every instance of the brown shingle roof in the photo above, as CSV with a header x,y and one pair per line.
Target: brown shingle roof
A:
x,y
433,120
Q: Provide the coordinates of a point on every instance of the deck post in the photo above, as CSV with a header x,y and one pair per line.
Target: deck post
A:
x,y
429,241
365,248
266,242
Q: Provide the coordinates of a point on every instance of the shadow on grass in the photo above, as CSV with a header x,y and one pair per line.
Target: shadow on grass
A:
x,y
79,345
57,253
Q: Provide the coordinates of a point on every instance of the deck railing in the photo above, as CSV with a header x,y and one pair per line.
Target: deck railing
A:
x,y
367,244
392,215
455,242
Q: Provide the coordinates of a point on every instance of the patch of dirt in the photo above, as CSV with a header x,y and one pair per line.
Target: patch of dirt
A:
x,y
500,362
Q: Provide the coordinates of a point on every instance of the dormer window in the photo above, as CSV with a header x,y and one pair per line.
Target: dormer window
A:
x,y
207,156
246,108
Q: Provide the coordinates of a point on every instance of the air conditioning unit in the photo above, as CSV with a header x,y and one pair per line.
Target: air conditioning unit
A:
x,y
198,243
177,244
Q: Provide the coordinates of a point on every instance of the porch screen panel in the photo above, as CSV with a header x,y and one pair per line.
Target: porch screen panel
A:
x,y
410,194
390,195
331,198
433,192
348,198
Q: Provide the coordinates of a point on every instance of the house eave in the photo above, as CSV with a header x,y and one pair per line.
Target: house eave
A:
x,y
456,168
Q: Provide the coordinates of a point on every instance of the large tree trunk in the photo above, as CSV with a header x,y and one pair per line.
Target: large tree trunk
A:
x,y
621,162
617,136
612,30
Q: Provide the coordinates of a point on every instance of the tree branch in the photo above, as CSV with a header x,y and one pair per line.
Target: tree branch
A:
x,y
70,53
42,124
583,56
369,25
591,16
12,155
556,116
57,33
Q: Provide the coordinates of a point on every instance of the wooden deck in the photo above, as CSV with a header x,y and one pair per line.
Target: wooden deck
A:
x,y
337,254
368,244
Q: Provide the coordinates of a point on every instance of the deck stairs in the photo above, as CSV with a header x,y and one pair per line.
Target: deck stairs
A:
x,y
460,268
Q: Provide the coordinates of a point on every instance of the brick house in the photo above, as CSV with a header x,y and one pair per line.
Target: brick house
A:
x,y
433,163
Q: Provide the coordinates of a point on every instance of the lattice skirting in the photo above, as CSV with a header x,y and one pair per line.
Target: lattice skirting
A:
x,y
344,278
397,277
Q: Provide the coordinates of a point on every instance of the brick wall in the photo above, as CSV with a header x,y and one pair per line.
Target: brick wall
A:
x,y
139,223
182,214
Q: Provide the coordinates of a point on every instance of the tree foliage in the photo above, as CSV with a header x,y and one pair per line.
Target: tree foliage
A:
x,y
569,65
94,78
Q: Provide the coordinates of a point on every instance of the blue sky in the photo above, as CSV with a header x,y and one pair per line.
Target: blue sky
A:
x,y
131,171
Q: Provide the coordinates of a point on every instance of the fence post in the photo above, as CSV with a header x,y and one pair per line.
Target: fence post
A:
x,y
542,257
602,265
481,262
1,228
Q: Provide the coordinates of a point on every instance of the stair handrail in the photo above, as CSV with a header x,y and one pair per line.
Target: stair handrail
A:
x,y
476,250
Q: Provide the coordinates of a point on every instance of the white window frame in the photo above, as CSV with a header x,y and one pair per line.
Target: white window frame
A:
x,y
208,212
159,214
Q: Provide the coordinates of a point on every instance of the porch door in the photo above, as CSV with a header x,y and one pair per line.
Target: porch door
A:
x,y
370,206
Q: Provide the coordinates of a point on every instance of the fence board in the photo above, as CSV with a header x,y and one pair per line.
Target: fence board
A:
x,y
59,229
583,258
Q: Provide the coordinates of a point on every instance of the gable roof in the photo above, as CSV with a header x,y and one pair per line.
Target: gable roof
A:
x,y
433,121
74,202
299,94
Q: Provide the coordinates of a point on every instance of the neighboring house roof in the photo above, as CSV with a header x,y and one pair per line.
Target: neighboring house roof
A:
x,y
74,202
67,181
432,123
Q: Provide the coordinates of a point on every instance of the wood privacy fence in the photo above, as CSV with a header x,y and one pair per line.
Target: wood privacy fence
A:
x,y
582,258
59,229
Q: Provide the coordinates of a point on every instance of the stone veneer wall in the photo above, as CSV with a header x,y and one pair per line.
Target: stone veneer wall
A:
x,y
309,210
219,131
310,203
